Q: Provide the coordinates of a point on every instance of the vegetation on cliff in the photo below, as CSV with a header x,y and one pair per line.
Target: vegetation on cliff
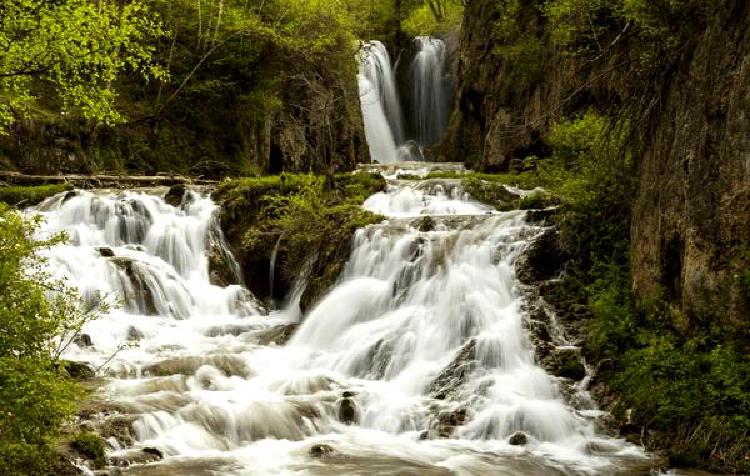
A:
x,y
206,87
309,219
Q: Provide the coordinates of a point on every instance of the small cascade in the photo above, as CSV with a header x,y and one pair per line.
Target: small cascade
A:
x,y
417,361
272,267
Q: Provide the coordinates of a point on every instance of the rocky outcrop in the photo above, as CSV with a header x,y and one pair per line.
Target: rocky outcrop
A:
x,y
691,216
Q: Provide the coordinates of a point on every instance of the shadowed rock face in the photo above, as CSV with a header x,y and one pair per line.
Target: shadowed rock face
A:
x,y
695,173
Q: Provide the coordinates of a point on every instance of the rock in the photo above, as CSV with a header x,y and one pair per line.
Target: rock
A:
x,y
79,370
448,382
134,334
347,411
426,223
133,457
83,340
542,260
348,393
278,335
321,450
188,365
518,438
105,251
119,427
156,452
68,195
175,194
568,363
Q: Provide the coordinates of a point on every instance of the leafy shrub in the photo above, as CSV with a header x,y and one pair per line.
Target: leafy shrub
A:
x,y
35,395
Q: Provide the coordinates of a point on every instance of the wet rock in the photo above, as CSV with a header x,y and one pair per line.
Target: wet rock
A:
x,y
449,382
347,411
518,438
348,393
448,421
601,447
542,260
136,456
229,364
69,195
105,251
175,194
321,450
134,334
119,427
426,223
568,363
79,370
278,335
231,330
83,340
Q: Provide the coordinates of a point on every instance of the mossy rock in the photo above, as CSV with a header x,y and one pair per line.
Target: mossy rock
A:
x,y
21,196
91,447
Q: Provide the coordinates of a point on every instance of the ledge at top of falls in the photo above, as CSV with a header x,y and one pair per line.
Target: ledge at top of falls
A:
x,y
410,167
101,180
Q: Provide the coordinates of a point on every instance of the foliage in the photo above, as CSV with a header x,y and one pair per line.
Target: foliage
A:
x,y
31,195
433,18
35,395
69,53
91,446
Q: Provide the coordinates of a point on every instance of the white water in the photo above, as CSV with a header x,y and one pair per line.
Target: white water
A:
x,y
381,105
381,110
431,94
209,395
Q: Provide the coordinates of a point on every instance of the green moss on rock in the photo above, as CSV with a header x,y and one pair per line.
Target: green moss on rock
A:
x,y
30,195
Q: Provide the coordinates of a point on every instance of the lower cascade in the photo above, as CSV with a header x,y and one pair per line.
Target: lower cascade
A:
x,y
417,361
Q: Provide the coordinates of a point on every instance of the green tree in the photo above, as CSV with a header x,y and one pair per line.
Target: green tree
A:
x,y
37,317
63,56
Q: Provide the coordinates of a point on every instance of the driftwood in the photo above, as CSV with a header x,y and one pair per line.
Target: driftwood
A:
x,y
101,181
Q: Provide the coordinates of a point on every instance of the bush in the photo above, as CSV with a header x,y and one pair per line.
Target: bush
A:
x,y
36,398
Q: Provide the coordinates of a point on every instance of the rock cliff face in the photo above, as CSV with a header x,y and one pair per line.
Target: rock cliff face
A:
x,y
316,126
691,211
691,217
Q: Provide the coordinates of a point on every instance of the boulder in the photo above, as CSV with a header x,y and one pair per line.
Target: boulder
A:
x,y
321,450
83,340
542,260
347,411
105,251
175,194
518,438
79,370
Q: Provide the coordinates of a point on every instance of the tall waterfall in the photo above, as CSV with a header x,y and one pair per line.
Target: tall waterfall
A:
x,y
381,110
428,99
430,95
416,362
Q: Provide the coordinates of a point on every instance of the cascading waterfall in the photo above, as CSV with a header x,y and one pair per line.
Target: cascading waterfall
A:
x,y
381,110
416,362
430,91
428,99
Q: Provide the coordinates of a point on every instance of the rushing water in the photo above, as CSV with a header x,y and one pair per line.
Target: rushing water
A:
x,y
428,98
416,362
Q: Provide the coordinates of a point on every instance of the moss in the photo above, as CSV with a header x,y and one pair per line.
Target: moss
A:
x,y
30,195
91,446
311,217
537,201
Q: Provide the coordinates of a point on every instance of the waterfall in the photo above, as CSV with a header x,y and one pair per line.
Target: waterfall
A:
x,y
380,105
428,99
430,93
416,362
